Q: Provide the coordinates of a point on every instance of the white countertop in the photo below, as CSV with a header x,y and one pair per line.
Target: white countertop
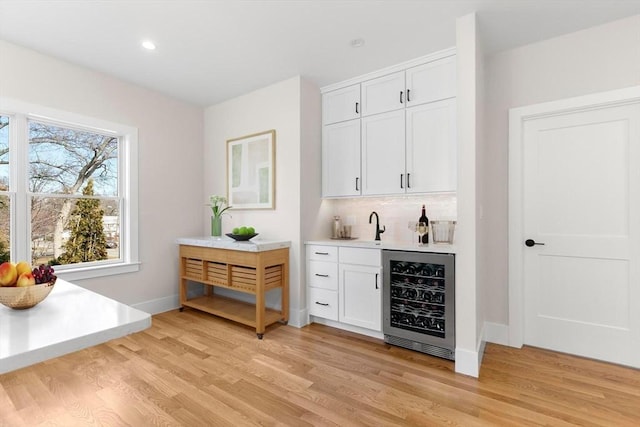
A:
x,y
253,245
442,248
69,319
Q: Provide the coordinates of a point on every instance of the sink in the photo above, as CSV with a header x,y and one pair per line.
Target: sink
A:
x,y
367,243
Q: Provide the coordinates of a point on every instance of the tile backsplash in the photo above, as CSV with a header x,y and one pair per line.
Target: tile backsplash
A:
x,y
394,213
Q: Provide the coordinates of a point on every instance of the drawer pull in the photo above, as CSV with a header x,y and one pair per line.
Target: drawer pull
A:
x,y
322,253
322,303
322,275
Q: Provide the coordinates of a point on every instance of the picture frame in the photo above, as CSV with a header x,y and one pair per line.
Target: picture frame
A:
x,y
251,171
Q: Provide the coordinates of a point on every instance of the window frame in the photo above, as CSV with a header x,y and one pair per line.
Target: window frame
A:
x,y
20,198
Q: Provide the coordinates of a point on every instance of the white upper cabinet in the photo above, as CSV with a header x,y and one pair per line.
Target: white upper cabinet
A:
x,y
383,153
432,81
341,104
383,94
341,159
431,157
393,131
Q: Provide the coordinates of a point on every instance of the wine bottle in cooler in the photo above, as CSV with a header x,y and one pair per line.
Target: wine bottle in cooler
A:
x,y
423,218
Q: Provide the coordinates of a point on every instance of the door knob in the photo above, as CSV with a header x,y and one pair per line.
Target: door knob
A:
x,y
531,242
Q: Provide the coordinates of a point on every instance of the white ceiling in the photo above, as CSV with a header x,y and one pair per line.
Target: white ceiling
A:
x,y
212,50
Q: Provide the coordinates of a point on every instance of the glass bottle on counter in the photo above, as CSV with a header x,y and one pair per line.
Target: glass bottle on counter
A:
x,y
423,218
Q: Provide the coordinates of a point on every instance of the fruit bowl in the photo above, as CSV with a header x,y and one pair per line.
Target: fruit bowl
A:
x,y
242,237
21,297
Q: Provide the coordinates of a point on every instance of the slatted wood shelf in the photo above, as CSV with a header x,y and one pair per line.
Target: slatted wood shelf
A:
x,y
232,309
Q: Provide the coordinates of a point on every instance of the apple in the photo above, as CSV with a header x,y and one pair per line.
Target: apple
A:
x,y
23,267
8,274
26,279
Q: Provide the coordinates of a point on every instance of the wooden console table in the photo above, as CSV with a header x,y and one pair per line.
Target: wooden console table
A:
x,y
252,268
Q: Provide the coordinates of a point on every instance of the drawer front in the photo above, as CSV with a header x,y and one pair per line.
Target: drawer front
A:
x,y
359,256
323,274
323,303
322,253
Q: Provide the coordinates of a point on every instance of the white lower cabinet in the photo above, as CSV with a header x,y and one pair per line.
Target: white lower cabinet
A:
x,y
322,281
360,296
345,285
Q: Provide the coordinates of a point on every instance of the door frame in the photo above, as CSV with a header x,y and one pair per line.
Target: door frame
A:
x,y
516,250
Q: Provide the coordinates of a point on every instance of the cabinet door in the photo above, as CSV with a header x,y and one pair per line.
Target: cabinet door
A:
x,y
430,82
383,94
383,153
341,159
360,296
432,147
341,104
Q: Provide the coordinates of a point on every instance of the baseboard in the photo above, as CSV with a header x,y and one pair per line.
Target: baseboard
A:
x,y
496,333
345,327
298,318
159,305
468,362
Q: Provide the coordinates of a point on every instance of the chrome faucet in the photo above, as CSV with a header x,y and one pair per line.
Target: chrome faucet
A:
x,y
378,230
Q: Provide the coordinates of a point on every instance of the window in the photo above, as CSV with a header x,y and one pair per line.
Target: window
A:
x,y
5,201
67,191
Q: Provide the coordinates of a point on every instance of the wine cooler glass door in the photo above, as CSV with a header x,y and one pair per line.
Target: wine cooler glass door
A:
x,y
419,297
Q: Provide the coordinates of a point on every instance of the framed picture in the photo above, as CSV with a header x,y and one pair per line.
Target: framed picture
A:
x,y
251,171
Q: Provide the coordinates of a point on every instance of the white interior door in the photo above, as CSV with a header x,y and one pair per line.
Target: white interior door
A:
x,y
581,205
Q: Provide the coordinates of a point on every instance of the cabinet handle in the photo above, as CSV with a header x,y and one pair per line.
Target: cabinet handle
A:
x,y
408,92
401,92
401,176
357,112
376,280
408,174
357,189
322,303
322,253
322,275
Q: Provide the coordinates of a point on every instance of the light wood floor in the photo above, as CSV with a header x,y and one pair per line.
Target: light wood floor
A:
x,y
192,369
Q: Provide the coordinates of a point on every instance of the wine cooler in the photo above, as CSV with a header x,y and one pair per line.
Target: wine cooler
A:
x,y
418,301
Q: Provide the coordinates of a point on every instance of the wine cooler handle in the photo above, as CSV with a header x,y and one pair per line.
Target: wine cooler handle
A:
x,y
377,280
322,303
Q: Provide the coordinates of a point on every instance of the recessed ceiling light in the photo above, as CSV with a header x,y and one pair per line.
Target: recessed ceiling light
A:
x,y
357,42
148,44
